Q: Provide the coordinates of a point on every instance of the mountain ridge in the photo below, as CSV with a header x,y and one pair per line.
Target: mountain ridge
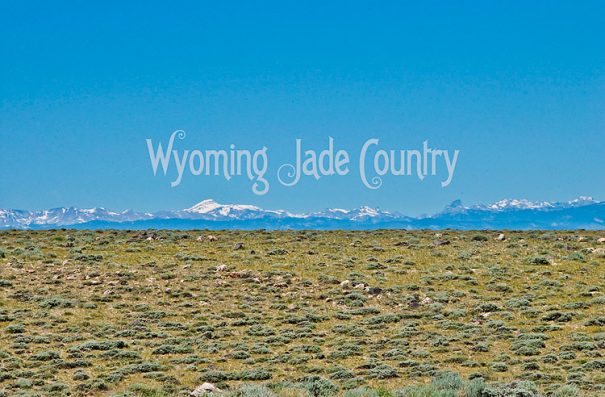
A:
x,y
582,212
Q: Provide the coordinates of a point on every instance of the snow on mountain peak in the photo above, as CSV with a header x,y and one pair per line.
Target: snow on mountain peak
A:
x,y
456,207
204,206
210,207
338,210
526,204
367,211
519,204
582,200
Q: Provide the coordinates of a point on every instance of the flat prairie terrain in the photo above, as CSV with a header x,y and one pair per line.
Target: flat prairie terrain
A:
x,y
157,313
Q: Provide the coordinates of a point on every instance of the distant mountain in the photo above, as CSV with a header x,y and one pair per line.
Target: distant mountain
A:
x,y
514,204
210,209
580,213
64,216
363,213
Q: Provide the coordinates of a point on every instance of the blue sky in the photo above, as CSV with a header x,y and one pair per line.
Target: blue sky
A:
x,y
517,87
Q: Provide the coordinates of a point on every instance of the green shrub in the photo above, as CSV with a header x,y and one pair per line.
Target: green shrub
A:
x,y
567,391
250,391
45,356
499,367
361,392
513,389
539,260
318,387
445,384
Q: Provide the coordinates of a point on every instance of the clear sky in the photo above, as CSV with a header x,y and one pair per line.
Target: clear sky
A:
x,y
518,87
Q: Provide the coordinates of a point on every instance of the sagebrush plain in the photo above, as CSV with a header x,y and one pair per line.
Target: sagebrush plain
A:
x,y
157,313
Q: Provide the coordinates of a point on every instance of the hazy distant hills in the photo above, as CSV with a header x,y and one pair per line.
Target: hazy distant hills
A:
x,y
581,213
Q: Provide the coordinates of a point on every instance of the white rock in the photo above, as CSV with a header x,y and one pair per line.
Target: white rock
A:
x,y
205,388
599,252
345,284
221,268
601,240
501,237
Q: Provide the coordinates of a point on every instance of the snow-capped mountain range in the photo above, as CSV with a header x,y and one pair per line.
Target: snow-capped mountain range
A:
x,y
583,212
213,210
522,204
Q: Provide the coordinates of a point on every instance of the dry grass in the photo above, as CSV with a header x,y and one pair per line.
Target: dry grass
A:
x,y
92,313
